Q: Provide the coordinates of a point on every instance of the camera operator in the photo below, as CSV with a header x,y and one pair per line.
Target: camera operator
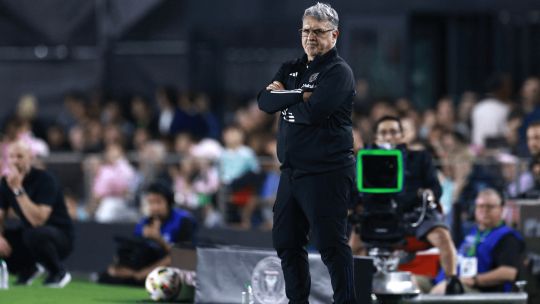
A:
x,y
420,177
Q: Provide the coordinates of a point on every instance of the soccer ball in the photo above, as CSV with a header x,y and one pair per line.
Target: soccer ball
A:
x,y
163,284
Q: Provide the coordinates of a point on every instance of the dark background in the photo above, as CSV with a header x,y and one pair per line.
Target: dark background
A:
x,y
230,49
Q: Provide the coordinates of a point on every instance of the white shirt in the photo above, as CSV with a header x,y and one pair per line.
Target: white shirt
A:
x,y
165,121
488,120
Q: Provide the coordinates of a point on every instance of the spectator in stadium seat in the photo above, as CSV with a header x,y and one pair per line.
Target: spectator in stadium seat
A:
x,y
57,139
93,136
527,179
166,99
151,166
236,159
491,256
76,139
530,104
490,114
177,115
428,122
112,186
445,113
464,110
142,115
530,96
202,104
533,138
190,120
45,232
113,134
237,162
155,235
410,133
534,191
141,137
111,115
515,184
27,111
196,180
74,111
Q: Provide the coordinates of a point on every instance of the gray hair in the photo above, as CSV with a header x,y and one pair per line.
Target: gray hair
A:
x,y
322,12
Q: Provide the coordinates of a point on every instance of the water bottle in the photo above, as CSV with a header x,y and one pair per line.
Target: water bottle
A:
x,y
251,300
4,275
247,295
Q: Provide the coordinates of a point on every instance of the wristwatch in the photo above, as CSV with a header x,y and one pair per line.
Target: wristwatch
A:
x,y
18,192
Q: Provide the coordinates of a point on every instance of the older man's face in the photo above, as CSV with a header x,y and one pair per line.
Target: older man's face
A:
x,y
488,210
20,157
318,37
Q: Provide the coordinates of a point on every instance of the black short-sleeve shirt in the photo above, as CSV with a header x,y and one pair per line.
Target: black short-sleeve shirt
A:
x,y
42,188
509,251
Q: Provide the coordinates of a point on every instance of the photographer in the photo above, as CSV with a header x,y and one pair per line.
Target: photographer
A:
x,y
419,177
154,237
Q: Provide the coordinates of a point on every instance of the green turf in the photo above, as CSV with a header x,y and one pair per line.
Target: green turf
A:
x,y
78,291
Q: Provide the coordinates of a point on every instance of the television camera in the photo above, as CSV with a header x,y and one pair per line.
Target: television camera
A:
x,y
382,225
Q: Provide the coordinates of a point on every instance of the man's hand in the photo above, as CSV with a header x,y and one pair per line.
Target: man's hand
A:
x,y
467,282
276,85
152,230
5,248
428,192
306,96
14,178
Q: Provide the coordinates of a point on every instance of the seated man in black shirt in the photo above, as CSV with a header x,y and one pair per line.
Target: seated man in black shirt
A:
x,y
492,254
45,233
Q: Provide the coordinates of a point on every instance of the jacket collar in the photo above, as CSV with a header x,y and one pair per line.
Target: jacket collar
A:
x,y
332,53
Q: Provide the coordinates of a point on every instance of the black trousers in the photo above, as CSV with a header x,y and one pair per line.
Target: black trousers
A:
x,y
317,203
46,245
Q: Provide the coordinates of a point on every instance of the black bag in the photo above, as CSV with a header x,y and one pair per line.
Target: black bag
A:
x,y
137,252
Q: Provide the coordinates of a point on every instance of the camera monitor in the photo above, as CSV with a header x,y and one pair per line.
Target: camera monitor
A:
x,y
379,171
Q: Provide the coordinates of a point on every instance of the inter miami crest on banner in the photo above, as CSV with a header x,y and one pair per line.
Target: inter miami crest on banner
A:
x,y
267,281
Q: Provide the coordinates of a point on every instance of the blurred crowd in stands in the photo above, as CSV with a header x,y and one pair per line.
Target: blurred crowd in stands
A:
x,y
224,168
221,172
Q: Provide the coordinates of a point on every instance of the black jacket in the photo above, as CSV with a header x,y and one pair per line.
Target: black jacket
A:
x,y
314,136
